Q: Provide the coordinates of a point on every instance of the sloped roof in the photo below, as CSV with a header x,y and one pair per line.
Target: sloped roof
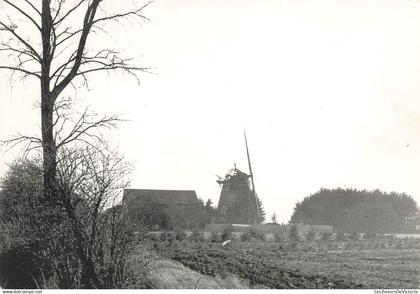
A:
x,y
174,197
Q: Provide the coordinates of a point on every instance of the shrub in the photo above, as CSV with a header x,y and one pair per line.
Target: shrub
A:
x,y
253,234
171,237
214,237
293,234
278,236
310,235
180,234
245,237
20,268
257,234
161,236
196,235
226,233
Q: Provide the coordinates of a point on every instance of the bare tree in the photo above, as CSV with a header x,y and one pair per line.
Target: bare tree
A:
x,y
41,41
90,181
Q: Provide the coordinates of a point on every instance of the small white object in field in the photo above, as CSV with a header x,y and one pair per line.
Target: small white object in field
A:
x,y
225,243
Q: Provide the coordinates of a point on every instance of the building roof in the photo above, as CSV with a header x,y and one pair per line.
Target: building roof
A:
x,y
174,197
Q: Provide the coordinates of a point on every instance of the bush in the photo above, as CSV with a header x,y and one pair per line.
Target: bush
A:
x,y
245,237
278,236
310,235
214,237
162,236
172,237
293,234
196,235
226,233
180,234
20,268
253,234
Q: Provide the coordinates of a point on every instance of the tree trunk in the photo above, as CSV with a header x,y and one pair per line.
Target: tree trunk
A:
x,y
48,146
47,105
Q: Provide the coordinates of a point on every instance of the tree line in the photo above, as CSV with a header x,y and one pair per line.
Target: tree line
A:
x,y
350,210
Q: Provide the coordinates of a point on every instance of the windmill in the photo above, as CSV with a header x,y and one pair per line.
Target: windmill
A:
x,y
238,202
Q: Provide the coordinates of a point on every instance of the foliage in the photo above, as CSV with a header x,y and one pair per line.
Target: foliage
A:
x,y
166,216
278,236
310,235
150,213
261,210
350,210
274,218
180,234
196,235
226,233
293,234
215,237
253,234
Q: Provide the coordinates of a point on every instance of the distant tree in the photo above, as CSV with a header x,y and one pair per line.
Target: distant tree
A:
x,y
350,210
210,211
151,213
261,210
274,218
293,234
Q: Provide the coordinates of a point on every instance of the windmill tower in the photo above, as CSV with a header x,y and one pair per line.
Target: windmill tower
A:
x,y
238,202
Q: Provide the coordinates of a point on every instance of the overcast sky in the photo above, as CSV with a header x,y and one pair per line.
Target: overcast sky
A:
x,y
328,92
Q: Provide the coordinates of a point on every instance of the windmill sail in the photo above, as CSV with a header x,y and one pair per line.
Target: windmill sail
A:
x,y
254,193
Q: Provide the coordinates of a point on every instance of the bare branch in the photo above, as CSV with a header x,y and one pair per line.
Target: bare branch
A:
x,y
56,23
24,13
122,15
26,72
84,125
11,29
7,47
87,25
33,7
30,143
